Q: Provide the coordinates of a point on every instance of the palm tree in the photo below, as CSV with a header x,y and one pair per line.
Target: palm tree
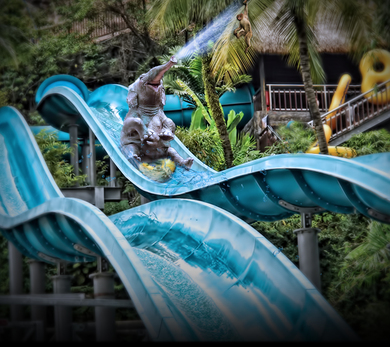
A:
x,y
194,81
294,21
369,262
174,15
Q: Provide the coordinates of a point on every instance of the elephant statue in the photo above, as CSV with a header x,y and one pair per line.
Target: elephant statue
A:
x,y
147,131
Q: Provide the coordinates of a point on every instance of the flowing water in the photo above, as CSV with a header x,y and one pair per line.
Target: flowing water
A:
x,y
210,34
111,120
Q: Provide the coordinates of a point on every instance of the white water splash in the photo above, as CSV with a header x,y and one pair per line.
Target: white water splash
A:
x,y
209,34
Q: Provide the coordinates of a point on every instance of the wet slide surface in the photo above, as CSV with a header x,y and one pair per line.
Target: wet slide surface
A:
x,y
267,189
193,270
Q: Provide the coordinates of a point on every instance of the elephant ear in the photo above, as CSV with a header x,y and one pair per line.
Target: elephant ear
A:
x,y
132,98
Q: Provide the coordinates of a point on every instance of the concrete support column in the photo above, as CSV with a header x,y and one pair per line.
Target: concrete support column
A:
x,y
15,262
38,286
92,159
99,197
74,157
103,287
309,254
112,182
144,200
84,158
62,314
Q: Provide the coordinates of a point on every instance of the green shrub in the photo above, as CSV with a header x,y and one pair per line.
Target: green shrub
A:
x,y
53,152
298,137
370,142
206,145
361,289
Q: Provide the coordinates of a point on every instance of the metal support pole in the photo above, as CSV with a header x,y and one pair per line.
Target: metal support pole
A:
x,y
103,287
92,159
74,156
309,255
326,100
37,286
112,174
62,314
15,262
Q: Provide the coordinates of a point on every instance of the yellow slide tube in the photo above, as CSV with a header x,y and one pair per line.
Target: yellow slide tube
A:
x,y
338,99
370,77
336,151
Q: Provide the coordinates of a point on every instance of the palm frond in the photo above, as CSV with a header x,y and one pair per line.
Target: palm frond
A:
x,y
198,103
355,20
285,27
169,16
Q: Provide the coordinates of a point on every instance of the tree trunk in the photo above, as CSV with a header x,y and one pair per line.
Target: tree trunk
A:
x,y
216,111
308,84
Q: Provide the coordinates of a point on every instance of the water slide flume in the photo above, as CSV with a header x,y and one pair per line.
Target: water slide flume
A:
x,y
337,100
267,189
193,271
337,151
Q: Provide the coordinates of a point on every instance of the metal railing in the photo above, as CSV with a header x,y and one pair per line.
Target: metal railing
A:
x,y
105,24
358,110
292,97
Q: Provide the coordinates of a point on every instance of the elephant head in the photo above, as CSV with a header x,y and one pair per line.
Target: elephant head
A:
x,y
148,89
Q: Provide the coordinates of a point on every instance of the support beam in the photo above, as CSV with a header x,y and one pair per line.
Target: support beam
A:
x,y
144,200
99,197
89,193
62,314
84,158
103,287
37,286
308,251
62,300
92,159
74,156
112,182
15,262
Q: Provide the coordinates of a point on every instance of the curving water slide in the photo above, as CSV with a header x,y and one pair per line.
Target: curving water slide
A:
x,y
193,270
268,189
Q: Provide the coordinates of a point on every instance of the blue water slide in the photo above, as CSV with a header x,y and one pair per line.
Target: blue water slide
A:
x,y
193,271
267,189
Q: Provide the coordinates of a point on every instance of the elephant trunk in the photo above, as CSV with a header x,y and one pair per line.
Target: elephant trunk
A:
x,y
155,75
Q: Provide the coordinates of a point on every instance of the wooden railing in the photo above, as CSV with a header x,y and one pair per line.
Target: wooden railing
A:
x,y
292,97
358,110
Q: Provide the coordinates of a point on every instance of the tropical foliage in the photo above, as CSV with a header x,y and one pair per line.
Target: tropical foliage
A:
x,y
370,142
196,73
354,251
294,22
298,137
360,291
53,152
